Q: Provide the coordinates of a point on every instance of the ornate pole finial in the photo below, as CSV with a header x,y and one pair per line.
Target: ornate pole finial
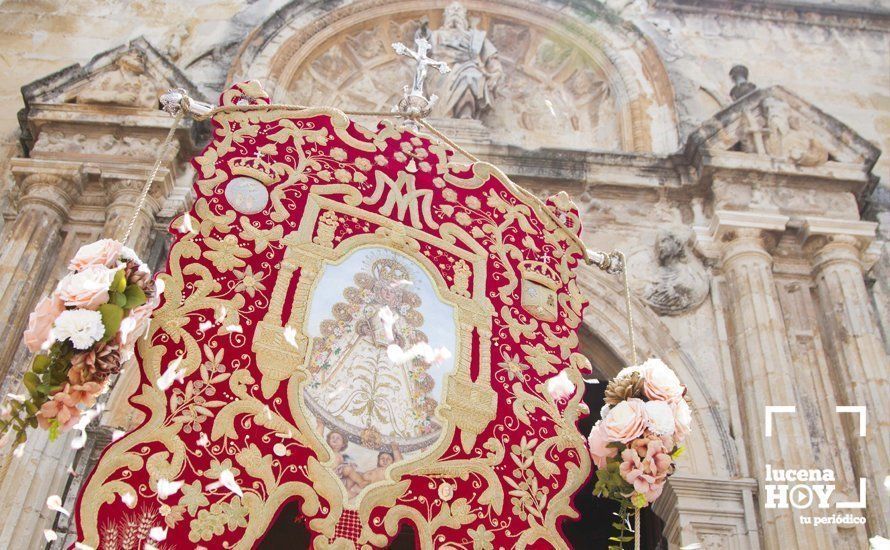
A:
x,y
414,104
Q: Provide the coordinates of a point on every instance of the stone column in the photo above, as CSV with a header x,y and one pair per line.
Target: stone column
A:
x,y
860,361
47,190
761,361
123,190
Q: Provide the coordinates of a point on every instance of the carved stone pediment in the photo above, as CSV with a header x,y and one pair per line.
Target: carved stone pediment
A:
x,y
780,128
122,82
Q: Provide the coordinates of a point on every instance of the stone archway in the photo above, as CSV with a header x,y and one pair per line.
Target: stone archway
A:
x,y
708,501
573,77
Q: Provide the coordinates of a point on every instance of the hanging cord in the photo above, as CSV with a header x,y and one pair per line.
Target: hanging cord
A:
x,y
162,154
634,361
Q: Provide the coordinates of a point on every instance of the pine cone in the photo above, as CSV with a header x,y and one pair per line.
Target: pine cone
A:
x,y
95,365
621,389
140,277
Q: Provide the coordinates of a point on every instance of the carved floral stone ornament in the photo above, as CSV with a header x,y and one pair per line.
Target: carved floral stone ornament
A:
x,y
359,342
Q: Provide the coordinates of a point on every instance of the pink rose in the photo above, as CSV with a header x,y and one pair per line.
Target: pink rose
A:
x,y
660,383
87,289
41,321
104,252
600,452
646,465
682,419
61,407
625,421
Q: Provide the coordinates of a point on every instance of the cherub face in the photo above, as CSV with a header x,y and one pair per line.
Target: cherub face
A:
x,y
384,460
335,440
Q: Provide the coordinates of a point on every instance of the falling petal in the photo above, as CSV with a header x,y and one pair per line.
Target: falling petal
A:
x,y
221,314
129,499
280,449
17,397
400,282
591,381
203,440
82,546
388,318
158,533
205,326
167,488
233,328
290,336
19,451
50,535
186,226
117,434
227,480
79,441
267,412
160,285
171,374
693,546
54,503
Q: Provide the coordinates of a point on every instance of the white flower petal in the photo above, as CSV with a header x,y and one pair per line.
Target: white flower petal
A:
x,y
167,488
54,503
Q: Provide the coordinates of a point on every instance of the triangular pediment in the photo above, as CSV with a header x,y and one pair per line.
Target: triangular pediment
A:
x,y
130,75
777,125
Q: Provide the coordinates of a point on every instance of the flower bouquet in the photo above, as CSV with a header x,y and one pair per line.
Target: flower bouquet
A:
x,y
634,446
82,334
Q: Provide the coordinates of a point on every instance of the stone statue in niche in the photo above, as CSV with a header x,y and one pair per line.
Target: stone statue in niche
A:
x,y
678,283
125,85
469,89
786,140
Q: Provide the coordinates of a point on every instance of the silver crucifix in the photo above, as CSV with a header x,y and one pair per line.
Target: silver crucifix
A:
x,y
414,103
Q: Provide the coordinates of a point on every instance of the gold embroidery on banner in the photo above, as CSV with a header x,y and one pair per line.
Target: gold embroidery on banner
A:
x,y
469,405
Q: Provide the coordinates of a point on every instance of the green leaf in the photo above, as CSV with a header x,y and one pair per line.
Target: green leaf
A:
x,y
135,297
40,363
118,299
31,407
31,382
119,284
112,315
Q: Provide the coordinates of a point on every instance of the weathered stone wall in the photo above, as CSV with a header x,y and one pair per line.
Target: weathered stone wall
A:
x,y
740,216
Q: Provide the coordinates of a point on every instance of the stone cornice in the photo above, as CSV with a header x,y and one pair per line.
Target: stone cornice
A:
x,y
828,14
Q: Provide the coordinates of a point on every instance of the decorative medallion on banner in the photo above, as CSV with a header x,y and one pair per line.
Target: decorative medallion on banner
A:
x,y
356,321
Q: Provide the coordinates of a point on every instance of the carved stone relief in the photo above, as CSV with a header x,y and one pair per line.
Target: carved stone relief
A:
x,y
775,130
126,84
528,86
668,276
53,141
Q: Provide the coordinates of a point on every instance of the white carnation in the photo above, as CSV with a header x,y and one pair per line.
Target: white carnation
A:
x,y
659,417
128,254
81,326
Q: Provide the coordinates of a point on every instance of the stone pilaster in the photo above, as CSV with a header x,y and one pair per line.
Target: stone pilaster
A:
x,y
713,513
46,191
123,190
761,362
859,359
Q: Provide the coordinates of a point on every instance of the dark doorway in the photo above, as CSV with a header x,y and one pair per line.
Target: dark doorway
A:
x,y
590,531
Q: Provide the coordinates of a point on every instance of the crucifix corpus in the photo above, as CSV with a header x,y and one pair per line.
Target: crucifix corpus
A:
x,y
414,103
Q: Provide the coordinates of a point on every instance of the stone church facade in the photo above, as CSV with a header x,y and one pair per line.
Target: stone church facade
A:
x,y
731,149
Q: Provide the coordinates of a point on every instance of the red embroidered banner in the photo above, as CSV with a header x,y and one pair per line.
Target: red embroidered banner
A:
x,y
354,320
